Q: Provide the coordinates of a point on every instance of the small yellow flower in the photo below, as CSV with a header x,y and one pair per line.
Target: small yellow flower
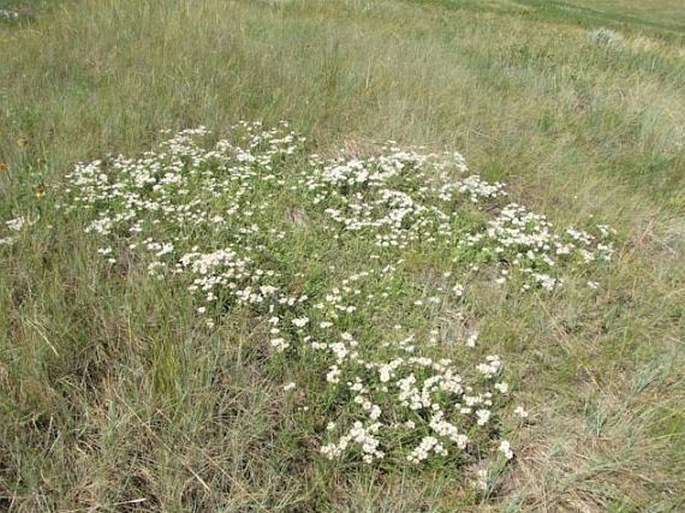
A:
x,y
3,166
40,191
23,142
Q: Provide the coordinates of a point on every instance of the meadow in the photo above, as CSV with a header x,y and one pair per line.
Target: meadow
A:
x,y
342,255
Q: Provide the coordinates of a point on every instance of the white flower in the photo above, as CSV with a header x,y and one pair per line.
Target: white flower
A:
x,y
333,375
483,417
375,412
472,339
428,444
505,448
521,412
300,322
279,344
491,368
17,224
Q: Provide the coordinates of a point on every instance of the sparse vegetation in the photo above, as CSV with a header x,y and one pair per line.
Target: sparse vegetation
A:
x,y
258,316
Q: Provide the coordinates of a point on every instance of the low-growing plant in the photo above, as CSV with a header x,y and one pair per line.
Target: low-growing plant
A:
x,y
390,384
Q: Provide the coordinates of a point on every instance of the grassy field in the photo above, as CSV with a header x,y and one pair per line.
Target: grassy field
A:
x,y
200,329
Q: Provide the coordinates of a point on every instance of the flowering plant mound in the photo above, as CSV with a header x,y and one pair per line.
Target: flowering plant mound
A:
x,y
255,220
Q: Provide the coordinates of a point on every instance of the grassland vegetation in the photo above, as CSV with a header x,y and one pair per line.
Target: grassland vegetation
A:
x,y
449,280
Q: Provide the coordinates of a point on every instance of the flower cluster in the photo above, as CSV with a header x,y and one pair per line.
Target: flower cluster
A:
x,y
403,402
216,221
398,198
523,242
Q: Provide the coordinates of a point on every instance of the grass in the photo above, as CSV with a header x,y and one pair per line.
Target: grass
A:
x,y
116,396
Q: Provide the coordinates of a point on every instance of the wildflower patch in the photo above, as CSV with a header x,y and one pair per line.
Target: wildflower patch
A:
x,y
336,292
